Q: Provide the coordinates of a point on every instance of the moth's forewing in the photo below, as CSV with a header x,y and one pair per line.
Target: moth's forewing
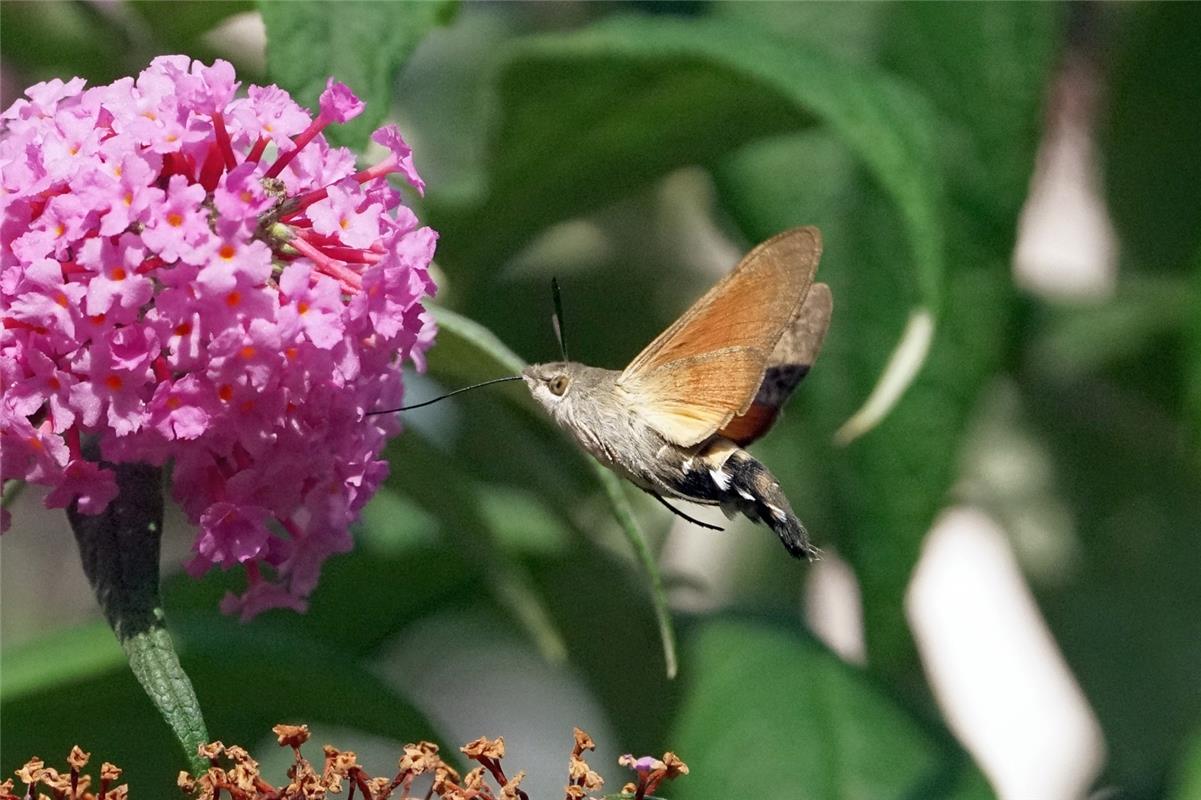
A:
x,y
689,399
790,362
707,367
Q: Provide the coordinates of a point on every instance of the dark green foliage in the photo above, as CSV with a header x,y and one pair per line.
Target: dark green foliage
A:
x,y
840,735
364,44
908,134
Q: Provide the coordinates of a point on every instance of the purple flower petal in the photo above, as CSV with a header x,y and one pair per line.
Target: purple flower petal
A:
x,y
165,298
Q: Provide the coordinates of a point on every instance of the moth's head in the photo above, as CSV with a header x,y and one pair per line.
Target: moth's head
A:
x,y
551,384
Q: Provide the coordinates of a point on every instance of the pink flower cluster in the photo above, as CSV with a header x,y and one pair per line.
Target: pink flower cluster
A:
x,y
196,277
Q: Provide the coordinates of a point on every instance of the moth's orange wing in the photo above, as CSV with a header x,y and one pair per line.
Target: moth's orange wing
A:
x,y
790,362
706,368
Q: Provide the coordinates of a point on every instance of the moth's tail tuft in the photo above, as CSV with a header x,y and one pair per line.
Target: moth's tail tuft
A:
x,y
760,498
794,536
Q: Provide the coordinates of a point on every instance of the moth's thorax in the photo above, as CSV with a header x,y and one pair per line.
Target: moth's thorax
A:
x,y
596,411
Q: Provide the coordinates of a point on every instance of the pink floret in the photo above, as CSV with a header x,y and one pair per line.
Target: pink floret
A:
x,y
193,277
338,103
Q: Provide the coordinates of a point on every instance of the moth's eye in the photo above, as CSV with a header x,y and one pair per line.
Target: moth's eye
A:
x,y
558,385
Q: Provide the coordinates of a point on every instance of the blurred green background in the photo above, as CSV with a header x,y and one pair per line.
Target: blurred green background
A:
x,y
1044,641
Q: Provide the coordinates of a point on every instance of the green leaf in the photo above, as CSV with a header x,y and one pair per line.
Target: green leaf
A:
x,y
625,518
766,712
120,552
1186,784
466,351
1086,339
438,486
1149,134
65,39
888,487
637,97
1192,358
521,522
1125,604
985,68
432,575
59,660
362,44
185,23
892,486
849,30
252,676
58,40
612,634
181,28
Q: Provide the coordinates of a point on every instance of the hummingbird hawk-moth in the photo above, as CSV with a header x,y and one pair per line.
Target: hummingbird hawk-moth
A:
x,y
675,421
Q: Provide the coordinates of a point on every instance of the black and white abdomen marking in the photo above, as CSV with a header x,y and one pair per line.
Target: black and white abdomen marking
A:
x,y
724,474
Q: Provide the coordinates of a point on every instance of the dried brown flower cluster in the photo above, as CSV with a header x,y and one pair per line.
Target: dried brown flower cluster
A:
x,y
45,782
233,774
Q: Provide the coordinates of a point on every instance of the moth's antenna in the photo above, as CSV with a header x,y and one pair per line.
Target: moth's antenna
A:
x,y
557,318
448,394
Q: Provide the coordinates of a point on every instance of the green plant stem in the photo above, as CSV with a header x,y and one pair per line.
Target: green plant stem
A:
x,y
119,549
620,506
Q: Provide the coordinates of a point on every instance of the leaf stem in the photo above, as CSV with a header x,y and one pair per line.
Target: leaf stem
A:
x,y
119,549
620,505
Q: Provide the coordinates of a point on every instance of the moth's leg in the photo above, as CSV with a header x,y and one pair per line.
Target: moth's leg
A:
x,y
680,513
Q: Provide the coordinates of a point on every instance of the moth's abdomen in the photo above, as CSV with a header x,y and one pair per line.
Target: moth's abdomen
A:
x,y
732,478
757,494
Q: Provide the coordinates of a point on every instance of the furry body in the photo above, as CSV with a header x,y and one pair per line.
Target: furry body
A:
x,y
598,413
